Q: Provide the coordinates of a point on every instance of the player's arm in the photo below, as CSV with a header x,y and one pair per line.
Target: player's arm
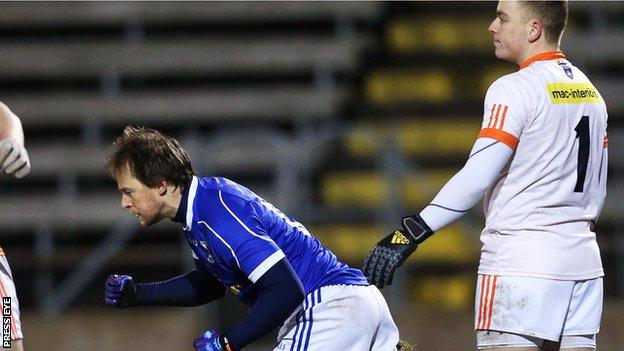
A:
x,y
13,156
505,115
280,292
247,247
460,194
191,289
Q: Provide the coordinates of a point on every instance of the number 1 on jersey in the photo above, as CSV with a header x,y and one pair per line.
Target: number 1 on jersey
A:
x,y
582,133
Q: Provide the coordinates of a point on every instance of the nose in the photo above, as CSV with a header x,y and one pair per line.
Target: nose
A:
x,y
125,202
492,27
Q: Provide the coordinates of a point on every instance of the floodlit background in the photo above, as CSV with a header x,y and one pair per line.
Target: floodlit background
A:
x,y
346,115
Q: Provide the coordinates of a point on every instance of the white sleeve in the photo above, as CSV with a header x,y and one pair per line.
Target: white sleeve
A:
x,y
467,187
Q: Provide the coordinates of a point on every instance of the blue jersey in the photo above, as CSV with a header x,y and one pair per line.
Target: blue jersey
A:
x,y
238,236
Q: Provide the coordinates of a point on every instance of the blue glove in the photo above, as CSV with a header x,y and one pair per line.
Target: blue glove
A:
x,y
121,291
212,341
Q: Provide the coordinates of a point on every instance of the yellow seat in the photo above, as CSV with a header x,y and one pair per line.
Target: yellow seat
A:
x,y
455,292
440,34
416,137
369,188
401,86
349,242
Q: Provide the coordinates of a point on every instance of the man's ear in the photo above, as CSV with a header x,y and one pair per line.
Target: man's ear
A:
x,y
535,31
162,188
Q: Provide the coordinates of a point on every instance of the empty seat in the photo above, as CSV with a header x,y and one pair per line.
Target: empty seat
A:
x,y
370,189
453,292
34,210
445,34
114,12
76,158
424,137
602,50
273,103
178,56
407,86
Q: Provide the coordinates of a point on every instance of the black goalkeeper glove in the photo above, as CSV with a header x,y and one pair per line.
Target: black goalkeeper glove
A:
x,y
390,253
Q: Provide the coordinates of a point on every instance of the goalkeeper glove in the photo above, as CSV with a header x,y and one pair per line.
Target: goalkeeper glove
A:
x,y
212,341
14,158
121,291
390,253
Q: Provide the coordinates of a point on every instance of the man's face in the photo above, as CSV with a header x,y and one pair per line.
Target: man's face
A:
x,y
510,32
141,201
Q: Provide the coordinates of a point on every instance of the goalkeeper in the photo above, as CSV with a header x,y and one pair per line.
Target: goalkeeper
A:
x,y
242,243
540,164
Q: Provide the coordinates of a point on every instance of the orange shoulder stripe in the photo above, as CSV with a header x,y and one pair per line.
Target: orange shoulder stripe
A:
x,y
500,135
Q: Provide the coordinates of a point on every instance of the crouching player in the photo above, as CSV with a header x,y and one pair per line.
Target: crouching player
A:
x,y
243,243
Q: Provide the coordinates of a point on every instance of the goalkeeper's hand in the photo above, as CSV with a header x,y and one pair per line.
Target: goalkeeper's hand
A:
x,y
14,158
121,291
390,253
212,341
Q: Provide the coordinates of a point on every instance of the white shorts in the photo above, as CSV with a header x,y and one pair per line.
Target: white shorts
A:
x,y
340,317
536,307
7,289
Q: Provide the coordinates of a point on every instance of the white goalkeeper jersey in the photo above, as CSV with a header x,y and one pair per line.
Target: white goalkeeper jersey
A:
x,y
541,210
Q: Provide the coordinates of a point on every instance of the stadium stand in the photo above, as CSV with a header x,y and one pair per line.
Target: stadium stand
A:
x,y
237,83
346,114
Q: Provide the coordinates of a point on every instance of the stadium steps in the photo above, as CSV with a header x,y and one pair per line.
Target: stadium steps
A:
x,y
430,83
369,188
431,137
61,159
48,210
450,291
453,35
392,86
175,56
284,102
602,52
140,256
162,13
77,73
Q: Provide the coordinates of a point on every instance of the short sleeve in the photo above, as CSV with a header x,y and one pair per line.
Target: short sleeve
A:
x,y
245,240
505,112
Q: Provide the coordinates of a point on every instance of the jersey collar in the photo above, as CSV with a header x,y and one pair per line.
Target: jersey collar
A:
x,y
544,56
185,210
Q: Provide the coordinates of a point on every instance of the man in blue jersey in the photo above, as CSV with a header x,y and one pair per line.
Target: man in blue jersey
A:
x,y
242,243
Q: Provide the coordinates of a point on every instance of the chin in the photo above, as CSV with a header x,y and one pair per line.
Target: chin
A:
x,y
502,55
145,222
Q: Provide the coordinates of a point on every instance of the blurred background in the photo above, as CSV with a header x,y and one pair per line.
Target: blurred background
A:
x,y
346,115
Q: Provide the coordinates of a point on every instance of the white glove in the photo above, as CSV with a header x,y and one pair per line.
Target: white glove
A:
x,y
14,158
